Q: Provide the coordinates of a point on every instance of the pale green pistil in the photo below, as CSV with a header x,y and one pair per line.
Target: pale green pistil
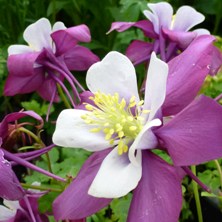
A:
x,y
115,118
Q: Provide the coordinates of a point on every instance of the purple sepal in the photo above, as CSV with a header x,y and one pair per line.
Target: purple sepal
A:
x,y
145,25
187,73
79,58
23,77
158,196
139,51
67,38
75,203
10,187
193,136
216,62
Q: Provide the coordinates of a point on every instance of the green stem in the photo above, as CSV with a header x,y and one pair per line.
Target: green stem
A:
x,y
63,97
219,171
43,188
39,141
28,132
196,196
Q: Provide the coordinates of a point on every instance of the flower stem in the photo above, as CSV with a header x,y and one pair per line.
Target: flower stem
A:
x,y
43,188
196,196
219,171
28,132
63,97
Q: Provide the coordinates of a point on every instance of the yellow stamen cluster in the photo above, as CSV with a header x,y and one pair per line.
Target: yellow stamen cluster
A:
x,y
114,117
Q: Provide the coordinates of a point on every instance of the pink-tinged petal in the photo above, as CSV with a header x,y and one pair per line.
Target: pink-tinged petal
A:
x,y
155,89
79,58
64,39
186,18
201,32
19,49
163,195
193,136
183,39
10,187
161,15
58,26
145,25
75,203
72,131
187,73
37,35
117,176
23,77
139,51
114,74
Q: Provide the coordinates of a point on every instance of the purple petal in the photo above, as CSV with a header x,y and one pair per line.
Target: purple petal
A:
x,y
10,187
145,25
23,77
158,197
79,58
183,39
194,135
75,203
64,39
139,51
187,73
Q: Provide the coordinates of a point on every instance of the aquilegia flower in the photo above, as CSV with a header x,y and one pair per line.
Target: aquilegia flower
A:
x,y
117,118
170,32
46,61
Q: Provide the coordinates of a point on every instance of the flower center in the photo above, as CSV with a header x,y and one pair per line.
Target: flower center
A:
x,y
118,120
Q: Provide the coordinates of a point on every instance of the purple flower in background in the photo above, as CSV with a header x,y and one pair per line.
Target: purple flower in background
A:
x,y
24,210
46,60
170,33
10,124
115,172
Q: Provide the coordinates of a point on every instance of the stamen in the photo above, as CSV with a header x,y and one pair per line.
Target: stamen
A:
x,y
114,118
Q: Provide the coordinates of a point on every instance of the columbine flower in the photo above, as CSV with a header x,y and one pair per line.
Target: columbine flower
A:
x,y
170,33
46,61
116,118
119,119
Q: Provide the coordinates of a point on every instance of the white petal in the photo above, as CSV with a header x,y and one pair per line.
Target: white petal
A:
x,y
145,140
115,73
13,205
6,214
72,131
116,176
187,17
37,35
58,26
162,15
19,49
201,32
155,90
9,211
